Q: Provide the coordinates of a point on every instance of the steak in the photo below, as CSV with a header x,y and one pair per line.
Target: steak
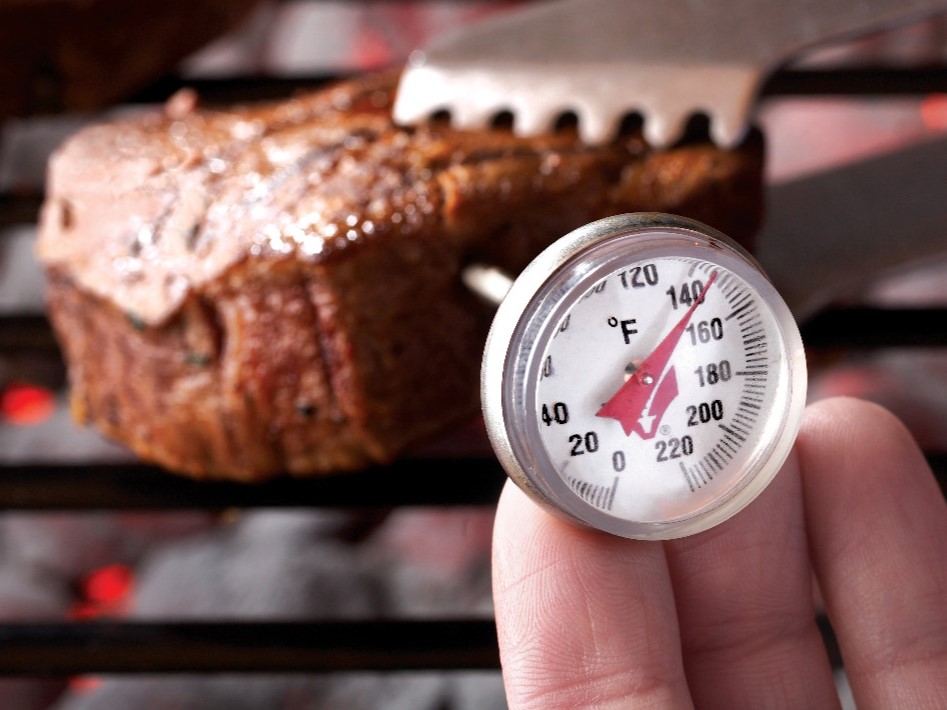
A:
x,y
276,289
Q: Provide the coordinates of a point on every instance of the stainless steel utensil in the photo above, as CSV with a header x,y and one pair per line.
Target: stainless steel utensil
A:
x,y
603,59
831,234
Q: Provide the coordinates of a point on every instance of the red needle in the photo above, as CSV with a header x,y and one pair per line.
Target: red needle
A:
x,y
653,384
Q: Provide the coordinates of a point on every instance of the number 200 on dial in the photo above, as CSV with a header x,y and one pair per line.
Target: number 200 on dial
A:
x,y
643,377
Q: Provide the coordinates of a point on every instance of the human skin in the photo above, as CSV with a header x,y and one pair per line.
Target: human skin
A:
x,y
726,618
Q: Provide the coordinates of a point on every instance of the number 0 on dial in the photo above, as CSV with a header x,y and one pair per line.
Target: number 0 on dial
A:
x,y
643,377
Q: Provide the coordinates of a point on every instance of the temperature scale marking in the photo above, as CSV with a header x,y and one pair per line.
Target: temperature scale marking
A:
x,y
599,496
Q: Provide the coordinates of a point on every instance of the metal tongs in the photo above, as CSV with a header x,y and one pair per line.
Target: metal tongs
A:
x,y
603,59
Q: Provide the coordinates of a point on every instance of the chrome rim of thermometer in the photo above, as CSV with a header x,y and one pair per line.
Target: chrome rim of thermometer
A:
x,y
643,377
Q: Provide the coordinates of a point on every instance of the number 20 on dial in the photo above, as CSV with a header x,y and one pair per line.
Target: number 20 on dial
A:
x,y
643,377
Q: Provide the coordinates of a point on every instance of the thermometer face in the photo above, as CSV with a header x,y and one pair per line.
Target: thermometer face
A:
x,y
644,378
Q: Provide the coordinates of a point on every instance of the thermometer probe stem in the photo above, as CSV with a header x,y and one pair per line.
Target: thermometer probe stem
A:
x,y
489,282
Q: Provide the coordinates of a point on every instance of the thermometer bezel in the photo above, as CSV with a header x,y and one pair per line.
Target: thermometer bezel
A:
x,y
528,317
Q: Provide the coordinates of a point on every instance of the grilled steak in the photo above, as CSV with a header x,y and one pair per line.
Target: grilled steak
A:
x,y
276,289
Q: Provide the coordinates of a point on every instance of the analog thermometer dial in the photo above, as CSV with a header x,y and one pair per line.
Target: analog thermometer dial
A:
x,y
643,377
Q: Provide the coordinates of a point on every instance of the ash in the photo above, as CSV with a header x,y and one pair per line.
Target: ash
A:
x,y
260,566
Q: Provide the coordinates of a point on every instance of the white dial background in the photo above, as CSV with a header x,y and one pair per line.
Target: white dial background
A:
x,y
731,379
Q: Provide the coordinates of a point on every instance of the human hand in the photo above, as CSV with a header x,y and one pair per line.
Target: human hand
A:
x,y
726,618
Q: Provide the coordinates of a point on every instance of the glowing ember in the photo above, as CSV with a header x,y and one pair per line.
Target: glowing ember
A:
x,y
24,404
84,683
104,592
934,112
108,585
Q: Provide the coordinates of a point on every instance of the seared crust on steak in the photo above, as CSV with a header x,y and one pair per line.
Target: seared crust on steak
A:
x,y
276,289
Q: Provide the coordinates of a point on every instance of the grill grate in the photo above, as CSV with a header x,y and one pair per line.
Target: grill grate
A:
x,y
249,646
110,486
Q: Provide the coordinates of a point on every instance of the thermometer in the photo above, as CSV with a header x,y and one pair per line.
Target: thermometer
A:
x,y
643,377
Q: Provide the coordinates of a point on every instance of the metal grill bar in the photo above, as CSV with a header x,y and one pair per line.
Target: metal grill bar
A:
x,y
857,328
247,647
856,81
27,334
19,209
50,649
96,486
138,486
849,328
